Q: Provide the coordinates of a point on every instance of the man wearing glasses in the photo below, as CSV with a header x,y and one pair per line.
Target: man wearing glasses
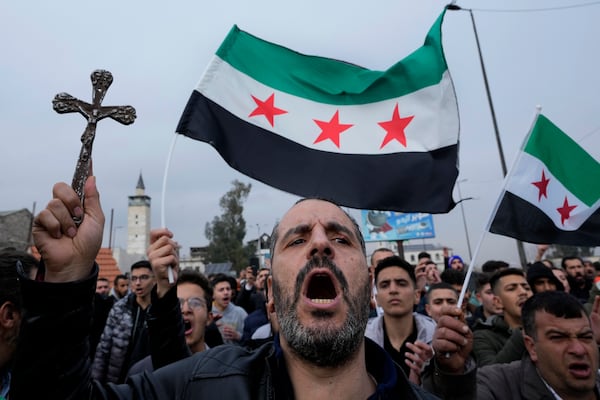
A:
x,y
125,338
165,326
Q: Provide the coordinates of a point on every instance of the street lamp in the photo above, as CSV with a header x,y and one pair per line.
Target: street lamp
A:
x,y
462,211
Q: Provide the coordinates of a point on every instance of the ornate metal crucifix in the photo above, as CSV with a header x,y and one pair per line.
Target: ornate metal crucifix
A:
x,y
94,112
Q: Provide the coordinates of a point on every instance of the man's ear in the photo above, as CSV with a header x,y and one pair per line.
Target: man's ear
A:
x,y
271,306
209,318
417,295
530,346
478,296
9,315
498,302
270,299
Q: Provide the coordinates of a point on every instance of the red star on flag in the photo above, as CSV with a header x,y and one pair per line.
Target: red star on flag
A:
x,y
267,108
565,211
395,128
332,130
542,186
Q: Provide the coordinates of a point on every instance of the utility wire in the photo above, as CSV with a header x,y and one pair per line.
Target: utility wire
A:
x,y
541,9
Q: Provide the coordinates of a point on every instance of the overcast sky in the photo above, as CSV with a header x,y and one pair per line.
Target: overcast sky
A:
x,y
158,51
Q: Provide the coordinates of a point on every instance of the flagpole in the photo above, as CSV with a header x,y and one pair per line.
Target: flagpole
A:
x,y
453,6
163,195
494,211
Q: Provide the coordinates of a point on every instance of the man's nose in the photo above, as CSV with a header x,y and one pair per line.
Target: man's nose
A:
x,y
320,244
576,347
184,307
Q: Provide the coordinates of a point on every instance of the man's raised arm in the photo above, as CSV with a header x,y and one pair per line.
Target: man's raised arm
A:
x,y
52,360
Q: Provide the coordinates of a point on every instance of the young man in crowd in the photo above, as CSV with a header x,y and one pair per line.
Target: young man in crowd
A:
x,y
102,286
541,278
377,255
319,295
485,296
124,340
230,317
120,287
440,295
252,293
404,334
499,339
194,295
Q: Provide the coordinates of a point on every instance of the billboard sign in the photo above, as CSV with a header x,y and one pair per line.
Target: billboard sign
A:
x,y
389,225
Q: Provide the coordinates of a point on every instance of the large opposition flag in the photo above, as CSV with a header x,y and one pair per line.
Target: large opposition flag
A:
x,y
553,194
318,127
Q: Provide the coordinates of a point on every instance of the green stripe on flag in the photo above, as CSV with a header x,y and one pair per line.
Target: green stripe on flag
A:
x,y
329,81
578,171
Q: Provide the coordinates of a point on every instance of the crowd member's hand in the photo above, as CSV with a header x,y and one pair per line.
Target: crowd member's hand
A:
x,y
432,274
595,318
417,359
162,254
69,250
228,331
421,276
541,250
452,340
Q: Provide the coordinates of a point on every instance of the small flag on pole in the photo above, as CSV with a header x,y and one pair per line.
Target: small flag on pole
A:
x,y
553,193
318,127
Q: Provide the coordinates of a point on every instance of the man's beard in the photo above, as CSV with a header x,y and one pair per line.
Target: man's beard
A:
x,y
323,346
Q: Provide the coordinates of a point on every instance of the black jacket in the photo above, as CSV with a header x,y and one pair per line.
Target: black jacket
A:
x,y
52,359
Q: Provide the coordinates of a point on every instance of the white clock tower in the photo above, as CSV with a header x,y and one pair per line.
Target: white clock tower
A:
x,y
138,220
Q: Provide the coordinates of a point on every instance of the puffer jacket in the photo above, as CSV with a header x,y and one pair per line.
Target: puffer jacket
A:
x,y
111,352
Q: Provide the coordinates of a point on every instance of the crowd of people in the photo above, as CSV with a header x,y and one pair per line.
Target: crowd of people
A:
x,y
322,322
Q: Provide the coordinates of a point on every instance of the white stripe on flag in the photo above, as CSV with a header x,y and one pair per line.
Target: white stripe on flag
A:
x,y
435,122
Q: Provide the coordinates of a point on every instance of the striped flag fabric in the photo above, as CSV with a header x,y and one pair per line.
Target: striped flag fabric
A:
x,y
552,195
318,127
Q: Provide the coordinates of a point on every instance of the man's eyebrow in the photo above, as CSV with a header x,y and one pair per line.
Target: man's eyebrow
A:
x,y
331,226
298,229
334,226
559,331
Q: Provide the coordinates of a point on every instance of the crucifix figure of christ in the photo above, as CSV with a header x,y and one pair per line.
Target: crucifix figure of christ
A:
x,y
94,112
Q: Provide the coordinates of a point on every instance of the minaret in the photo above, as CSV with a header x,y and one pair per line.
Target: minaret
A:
x,y
138,220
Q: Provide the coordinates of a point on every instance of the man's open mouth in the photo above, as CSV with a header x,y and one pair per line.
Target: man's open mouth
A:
x,y
187,326
321,288
580,369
